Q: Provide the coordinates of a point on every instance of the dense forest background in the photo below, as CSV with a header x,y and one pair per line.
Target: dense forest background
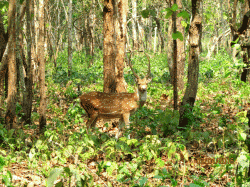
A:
x,y
193,127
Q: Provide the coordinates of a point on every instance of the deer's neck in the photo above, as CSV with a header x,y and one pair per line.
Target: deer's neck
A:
x,y
142,97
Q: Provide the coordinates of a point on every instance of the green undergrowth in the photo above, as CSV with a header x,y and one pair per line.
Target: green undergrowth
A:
x,y
158,153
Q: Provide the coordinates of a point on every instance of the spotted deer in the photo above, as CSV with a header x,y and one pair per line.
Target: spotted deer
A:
x,y
116,105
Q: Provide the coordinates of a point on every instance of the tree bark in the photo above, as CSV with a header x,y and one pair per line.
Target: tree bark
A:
x,y
108,47
42,108
28,94
3,43
10,117
120,30
193,67
134,20
181,57
175,61
70,38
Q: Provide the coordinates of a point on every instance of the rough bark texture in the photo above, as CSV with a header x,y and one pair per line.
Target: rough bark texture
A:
x,y
180,49
3,38
28,93
42,108
3,43
193,67
133,21
108,47
120,30
175,61
181,57
10,116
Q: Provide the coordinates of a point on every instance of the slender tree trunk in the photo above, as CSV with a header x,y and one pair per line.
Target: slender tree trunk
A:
x,y
134,20
42,108
193,67
3,38
121,30
181,57
3,42
108,47
169,45
28,94
70,38
155,32
234,26
91,31
161,40
175,61
141,34
10,117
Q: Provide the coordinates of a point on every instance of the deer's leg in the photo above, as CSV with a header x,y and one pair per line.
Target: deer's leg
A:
x,y
92,120
126,121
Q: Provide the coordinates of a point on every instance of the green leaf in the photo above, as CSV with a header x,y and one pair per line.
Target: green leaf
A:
x,y
143,181
158,177
2,162
174,7
177,35
4,4
243,136
169,14
184,14
67,170
59,184
160,162
38,144
184,24
53,176
227,74
6,179
145,13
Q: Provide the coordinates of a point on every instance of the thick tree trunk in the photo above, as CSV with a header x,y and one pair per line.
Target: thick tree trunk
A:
x,y
10,117
108,47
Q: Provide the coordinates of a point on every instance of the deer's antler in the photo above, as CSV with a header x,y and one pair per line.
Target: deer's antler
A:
x,y
130,65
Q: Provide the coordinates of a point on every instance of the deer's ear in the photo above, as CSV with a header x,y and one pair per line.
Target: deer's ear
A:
x,y
149,79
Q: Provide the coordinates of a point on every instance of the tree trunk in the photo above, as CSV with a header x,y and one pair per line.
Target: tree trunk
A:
x,y
42,108
175,61
10,117
134,21
70,38
181,57
3,43
180,49
28,94
193,67
169,46
108,47
121,30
